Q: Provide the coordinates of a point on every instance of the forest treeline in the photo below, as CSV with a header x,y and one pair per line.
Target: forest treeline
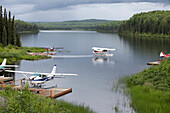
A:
x,y
111,27
25,27
154,23
88,24
8,34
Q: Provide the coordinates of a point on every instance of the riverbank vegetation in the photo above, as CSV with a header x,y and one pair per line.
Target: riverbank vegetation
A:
x,y
149,24
25,101
14,53
150,89
25,27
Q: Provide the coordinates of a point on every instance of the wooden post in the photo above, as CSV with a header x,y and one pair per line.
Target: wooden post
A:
x,y
2,85
21,82
51,92
12,83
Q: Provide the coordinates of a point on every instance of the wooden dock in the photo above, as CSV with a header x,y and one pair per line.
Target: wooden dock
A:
x,y
50,93
5,79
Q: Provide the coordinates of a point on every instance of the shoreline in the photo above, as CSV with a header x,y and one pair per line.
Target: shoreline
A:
x,y
150,90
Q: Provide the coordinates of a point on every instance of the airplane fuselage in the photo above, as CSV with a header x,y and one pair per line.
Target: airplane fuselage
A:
x,y
37,80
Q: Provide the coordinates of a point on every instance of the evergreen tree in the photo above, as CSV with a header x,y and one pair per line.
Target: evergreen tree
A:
x,y
9,28
154,22
13,32
4,39
18,42
1,24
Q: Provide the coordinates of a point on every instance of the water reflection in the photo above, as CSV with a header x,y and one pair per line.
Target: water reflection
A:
x,y
102,60
150,47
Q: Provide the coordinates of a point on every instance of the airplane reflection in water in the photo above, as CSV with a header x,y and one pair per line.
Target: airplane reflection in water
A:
x,y
102,60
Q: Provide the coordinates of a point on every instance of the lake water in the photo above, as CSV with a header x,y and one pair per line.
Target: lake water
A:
x,y
94,86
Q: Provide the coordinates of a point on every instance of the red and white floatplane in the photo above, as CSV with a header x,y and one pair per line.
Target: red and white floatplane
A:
x,y
162,57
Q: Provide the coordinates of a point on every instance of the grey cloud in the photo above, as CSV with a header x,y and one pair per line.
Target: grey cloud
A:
x,y
56,4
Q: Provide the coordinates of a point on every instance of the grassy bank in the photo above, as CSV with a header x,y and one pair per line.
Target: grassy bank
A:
x,y
25,101
13,53
150,89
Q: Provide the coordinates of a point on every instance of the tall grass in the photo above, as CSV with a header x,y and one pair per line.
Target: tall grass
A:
x,y
150,89
146,100
25,101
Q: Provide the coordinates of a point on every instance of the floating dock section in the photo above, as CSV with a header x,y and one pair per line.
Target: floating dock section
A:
x,y
50,93
5,79
153,63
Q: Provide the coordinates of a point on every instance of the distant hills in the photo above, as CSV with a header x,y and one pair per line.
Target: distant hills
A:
x,y
90,20
88,24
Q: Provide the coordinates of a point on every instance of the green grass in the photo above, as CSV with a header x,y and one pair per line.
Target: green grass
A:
x,y
25,101
13,53
150,89
74,108
147,100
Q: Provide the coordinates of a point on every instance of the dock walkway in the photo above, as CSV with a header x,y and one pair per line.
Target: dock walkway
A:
x,y
50,93
5,79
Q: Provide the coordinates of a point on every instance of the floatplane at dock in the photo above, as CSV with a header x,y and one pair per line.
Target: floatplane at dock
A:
x,y
162,57
3,66
37,79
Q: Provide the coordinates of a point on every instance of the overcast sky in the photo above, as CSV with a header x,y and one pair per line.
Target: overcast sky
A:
x,y
60,10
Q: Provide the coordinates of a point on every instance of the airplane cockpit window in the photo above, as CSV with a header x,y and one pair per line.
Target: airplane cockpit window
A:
x,y
44,76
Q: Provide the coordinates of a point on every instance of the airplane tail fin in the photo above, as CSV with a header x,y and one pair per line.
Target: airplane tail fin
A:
x,y
162,54
4,62
54,69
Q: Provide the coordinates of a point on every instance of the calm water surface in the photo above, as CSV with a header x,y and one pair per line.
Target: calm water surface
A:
x,y
94,86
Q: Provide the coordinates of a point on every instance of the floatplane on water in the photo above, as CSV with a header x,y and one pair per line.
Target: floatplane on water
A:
x,y
163,55
37,79
3,66
102,51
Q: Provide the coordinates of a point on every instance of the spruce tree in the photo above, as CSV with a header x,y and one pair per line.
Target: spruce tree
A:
x,y
1,24
18,43
13,32
4,37
9,28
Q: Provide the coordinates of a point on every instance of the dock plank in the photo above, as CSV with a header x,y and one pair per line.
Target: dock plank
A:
x,y
51,93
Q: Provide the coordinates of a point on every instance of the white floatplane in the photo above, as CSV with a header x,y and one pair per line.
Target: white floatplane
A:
x,y
37,79
102,51
3,66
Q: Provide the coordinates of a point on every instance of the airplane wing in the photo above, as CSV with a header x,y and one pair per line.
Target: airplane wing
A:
x,y
59,74
34,73
11,66
101,49
22,72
